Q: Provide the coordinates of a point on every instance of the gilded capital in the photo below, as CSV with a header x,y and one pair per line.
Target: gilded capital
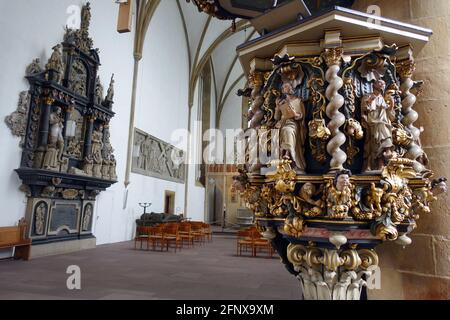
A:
x,y
333,56
406,68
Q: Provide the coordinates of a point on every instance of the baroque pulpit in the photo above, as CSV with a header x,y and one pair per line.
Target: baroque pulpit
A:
x,y
334,164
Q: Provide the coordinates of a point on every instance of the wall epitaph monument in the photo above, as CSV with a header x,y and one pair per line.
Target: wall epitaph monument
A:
x,y
63,121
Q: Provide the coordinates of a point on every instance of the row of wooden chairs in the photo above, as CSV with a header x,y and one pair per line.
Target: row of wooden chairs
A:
x,y
174,234
250,239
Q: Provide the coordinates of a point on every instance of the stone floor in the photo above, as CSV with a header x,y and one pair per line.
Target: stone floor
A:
x,y
117,271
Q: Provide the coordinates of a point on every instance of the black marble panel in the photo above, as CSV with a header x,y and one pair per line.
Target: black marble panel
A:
x,y
64,215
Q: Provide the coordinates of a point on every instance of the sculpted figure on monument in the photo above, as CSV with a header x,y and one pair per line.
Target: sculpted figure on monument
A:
x,y
376,113
34,67
56,64
55,141
98,91
290,113
87,218
339,199
97,146
39,219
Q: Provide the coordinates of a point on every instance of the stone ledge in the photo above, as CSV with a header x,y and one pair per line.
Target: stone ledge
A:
x,y
56,248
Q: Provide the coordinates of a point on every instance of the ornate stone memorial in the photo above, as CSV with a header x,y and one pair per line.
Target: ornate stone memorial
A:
x,y
63,121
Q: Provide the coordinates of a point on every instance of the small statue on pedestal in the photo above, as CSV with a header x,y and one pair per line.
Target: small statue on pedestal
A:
x,y
290,113
34,68
87,218
97,146
112,168
376,114
39,219
55,64
55,145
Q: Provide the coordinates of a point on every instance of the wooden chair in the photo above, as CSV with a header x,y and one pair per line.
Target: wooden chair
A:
x,y
155,236
197,232
171,235
15,237
141,235
244,240
260,243
207,231
185,232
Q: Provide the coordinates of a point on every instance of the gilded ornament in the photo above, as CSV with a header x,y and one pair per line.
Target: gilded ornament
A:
x,y
70,194
387,233
333,56
294,227
368,258
374,200
339,199
406,68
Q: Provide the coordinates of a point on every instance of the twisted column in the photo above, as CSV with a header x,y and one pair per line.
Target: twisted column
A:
x,y
336,101
406,70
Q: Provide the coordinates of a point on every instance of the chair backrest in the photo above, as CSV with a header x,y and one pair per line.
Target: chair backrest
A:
x,y
196,227
141,231
244,234
171,229
155,230
184,227
255,234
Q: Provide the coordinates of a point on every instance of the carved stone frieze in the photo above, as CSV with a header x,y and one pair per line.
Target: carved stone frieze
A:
x,y
156,158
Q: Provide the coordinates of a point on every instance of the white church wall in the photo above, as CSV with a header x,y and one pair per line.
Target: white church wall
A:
x,y
161,105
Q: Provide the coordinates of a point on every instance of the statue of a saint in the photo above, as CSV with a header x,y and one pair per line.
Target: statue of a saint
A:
x,y
290,113
55,145
339,199
87,218
39,219
97,145
55,63
34,67
375,119
112,168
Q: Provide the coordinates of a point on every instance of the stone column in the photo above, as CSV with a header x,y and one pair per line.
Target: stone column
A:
x,y
333,58
422,269
44,128
88,139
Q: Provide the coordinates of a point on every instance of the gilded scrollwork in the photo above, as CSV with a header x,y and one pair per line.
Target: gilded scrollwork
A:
x,y
17,121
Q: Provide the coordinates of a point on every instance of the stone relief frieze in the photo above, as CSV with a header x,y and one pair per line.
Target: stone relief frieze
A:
x,y
156,158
